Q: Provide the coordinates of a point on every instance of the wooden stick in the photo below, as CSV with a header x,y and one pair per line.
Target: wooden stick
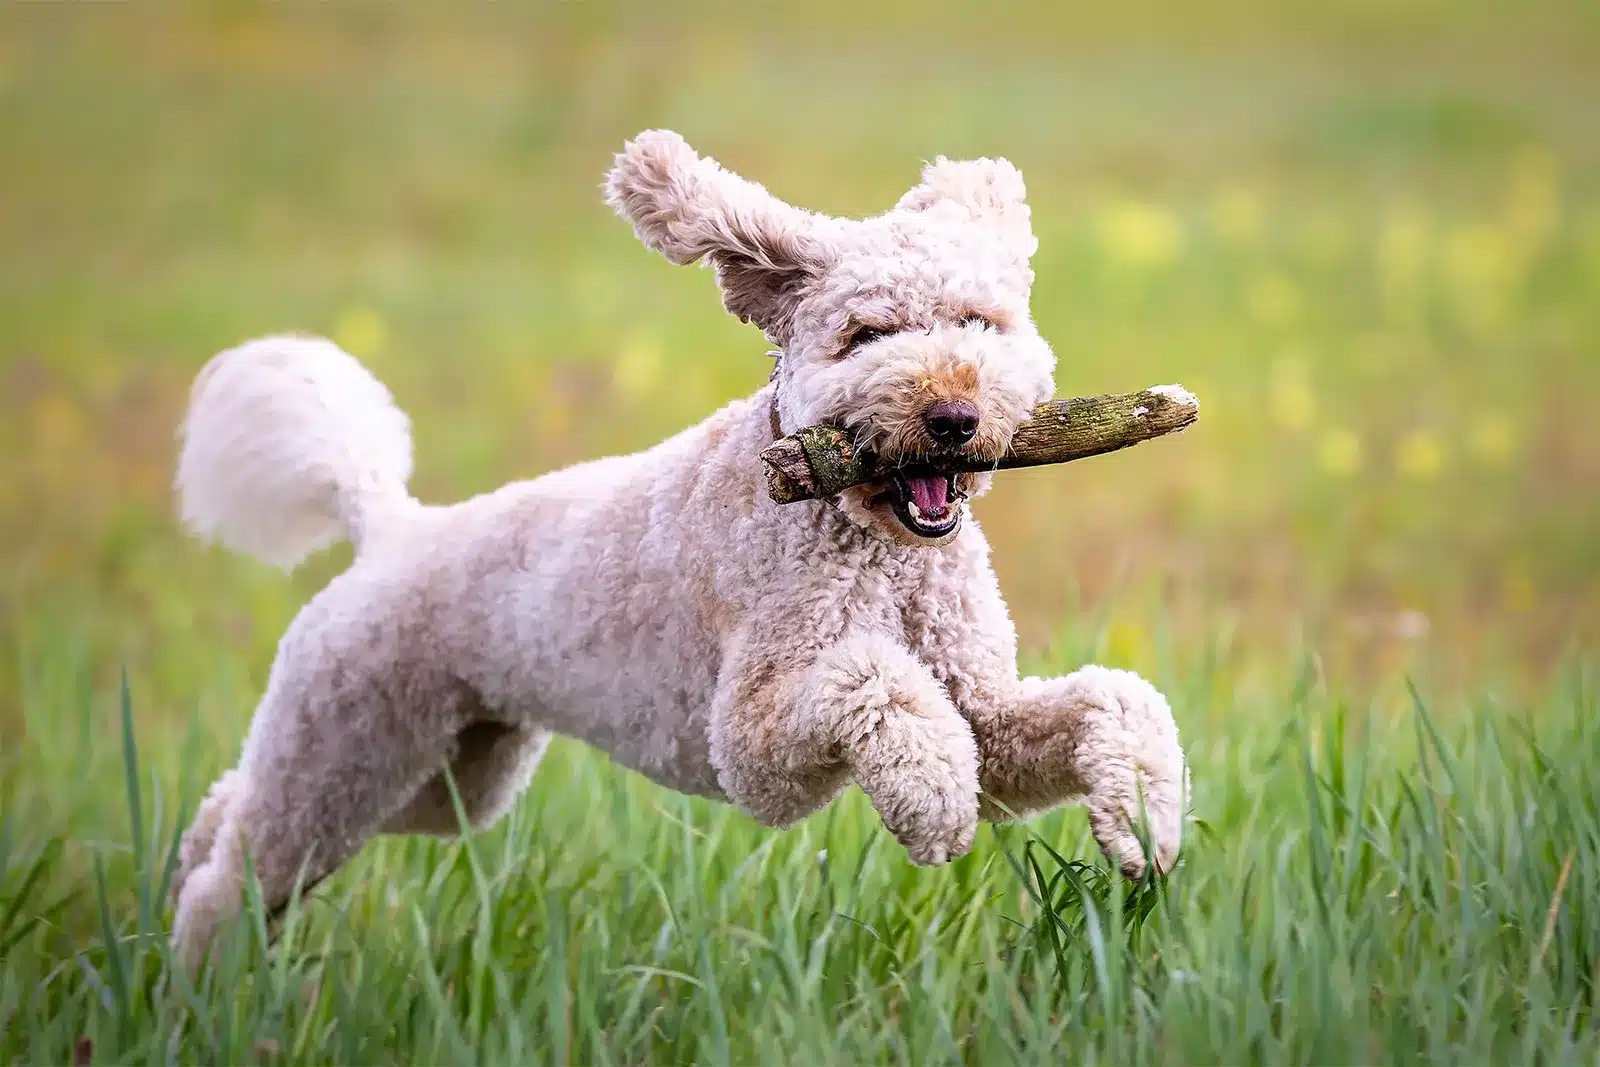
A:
x,y
821,461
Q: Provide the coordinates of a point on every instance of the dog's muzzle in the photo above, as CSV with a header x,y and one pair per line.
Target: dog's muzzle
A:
x,y
926,502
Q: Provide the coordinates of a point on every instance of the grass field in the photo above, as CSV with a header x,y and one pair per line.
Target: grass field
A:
x,y
1367,235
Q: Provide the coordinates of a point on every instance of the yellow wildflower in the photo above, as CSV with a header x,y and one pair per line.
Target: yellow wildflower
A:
x,y
1420,456
638,367
361,331
1141,234
1339,452
1124,644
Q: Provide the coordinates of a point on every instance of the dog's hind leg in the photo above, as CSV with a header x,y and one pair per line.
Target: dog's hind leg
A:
x,y
195,847
865,709
492,765
333,753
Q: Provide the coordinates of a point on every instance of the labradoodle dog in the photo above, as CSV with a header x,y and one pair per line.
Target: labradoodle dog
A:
x,y
659,605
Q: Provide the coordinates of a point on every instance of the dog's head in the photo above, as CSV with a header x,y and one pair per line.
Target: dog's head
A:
x,y
910,329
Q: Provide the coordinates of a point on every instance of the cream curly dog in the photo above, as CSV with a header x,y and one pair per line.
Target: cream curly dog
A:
x,y
659,605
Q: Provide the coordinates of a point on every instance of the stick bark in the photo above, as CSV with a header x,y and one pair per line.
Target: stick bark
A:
x,y
822,461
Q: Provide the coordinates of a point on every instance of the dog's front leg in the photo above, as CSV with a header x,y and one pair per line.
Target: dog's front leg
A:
x,y
1101,737
785,739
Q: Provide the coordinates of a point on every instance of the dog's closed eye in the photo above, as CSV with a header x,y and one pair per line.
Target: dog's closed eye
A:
x,y
983,322
861,336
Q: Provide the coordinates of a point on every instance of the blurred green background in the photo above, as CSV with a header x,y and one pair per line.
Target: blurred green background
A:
x,y
1368,235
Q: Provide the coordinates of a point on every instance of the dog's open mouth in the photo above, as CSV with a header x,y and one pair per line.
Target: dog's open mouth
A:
x,y
925,502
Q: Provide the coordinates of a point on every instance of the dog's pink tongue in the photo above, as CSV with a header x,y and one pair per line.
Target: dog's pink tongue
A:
x,y
929,494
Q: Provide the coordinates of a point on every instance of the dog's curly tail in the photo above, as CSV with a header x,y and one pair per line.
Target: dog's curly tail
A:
x,y
290,444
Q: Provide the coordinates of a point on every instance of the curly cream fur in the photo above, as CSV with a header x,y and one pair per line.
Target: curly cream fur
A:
x,y
658,605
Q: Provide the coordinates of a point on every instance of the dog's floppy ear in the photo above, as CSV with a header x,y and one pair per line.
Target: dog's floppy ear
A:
x,y
988,191
688,207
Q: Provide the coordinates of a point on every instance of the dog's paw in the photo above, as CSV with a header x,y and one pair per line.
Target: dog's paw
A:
x,y
942,835
1116,828
1136,772
931,806
907,747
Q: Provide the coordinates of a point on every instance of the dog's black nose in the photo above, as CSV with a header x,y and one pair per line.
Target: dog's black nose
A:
x,y
951,422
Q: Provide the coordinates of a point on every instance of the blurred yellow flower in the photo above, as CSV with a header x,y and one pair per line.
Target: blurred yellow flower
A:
x,y
1292,402
360,331
1483,270
1339,452
1124,644
1141,234
1272,299
1420,456
1478,258
1493,439
1236,216
638,367
1294,406
1402,258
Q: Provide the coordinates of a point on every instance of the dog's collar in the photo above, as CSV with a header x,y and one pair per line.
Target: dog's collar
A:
x,y
772,408
772,412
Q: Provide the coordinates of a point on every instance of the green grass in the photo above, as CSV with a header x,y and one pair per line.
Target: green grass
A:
x,y
1367,234
1354,891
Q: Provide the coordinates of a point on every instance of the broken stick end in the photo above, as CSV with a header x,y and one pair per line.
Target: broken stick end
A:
x,y
1178,395
788,472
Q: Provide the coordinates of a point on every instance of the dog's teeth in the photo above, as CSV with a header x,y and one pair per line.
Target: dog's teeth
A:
x,y
911,506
